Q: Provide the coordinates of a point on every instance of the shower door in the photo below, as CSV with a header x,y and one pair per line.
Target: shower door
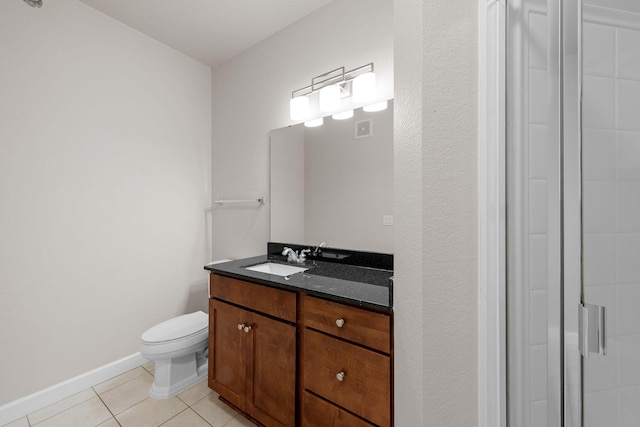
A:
x,y
610,182
539,325
573,213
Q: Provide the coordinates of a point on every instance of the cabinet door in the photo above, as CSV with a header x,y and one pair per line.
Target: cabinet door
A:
x,y
227,352
271,373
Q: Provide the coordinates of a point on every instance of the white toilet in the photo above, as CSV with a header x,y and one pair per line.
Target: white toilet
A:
x,y
179,348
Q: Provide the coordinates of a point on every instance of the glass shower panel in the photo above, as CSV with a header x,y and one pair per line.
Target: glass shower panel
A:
x,y
530,176
611,206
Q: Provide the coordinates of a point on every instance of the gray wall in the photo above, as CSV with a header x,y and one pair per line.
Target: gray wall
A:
x,y
104,180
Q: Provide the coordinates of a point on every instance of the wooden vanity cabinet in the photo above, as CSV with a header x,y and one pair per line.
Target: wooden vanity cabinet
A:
x,y
259,335
345,365
252,349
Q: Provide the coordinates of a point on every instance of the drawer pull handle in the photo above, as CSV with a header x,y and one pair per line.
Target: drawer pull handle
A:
x,y
340,323
240,326
247,329
340,376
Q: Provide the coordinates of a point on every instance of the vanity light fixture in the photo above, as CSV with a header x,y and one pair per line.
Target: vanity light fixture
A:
x,y
299,108
329,98
332,87
314,123
364,88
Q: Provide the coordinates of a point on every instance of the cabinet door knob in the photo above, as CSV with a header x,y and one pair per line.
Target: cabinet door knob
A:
x,y
240,326
340,323
340,376
247,329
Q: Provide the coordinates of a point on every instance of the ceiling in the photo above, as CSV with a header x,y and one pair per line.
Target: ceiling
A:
x,y
211,31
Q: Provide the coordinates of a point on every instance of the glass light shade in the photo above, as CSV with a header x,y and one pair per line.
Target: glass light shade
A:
x,y
363,88
329,98
343,115
378,106
299,108
314,123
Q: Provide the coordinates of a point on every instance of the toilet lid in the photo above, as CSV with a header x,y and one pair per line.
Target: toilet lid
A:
x,y
177,328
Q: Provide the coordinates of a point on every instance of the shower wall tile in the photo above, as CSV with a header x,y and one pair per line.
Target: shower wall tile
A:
x,y
628,156
599,50
628,358
628,259
599,102
538,382
537,146
599,201
538,207
538,414
600,409
628,105
538,262
538,102
628,61
599,259
599,154
538,151
628,412
627,309
538,318
537,41
628,207
601,372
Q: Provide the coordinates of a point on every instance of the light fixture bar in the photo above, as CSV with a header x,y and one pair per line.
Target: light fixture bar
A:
x,y
327,79
337,76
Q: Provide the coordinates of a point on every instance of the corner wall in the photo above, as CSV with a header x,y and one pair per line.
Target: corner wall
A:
x,y
435,292
104,180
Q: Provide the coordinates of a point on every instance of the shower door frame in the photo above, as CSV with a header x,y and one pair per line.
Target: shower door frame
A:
x,y
492,213
492,378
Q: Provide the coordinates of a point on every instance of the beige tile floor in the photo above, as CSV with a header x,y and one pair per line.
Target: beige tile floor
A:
x,y
124,401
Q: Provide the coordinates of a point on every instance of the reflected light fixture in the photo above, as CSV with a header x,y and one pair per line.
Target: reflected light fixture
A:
x,y
343,115
332,87
378,106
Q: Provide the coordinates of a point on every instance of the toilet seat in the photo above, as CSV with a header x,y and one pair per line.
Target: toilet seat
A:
x,y
180,327
178,334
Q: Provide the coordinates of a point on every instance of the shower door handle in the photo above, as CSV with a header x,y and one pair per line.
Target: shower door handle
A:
x,y
591,333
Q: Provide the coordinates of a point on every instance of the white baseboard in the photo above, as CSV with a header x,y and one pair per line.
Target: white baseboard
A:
x,y
38,400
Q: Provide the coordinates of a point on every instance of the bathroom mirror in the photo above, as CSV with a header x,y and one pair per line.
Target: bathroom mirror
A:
x,y
334,183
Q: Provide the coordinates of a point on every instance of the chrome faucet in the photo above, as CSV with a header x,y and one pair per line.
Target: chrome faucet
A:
x,y
317,251
293,256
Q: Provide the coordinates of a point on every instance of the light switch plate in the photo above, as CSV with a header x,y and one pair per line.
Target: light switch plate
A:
x,y
387,219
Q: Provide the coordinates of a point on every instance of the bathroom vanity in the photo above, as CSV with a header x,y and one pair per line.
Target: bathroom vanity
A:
x,y
314,348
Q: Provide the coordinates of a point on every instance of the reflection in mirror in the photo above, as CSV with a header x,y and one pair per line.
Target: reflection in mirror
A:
x,y
334,183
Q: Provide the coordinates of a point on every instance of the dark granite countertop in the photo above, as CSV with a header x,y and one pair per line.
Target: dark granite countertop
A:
x,y
351,284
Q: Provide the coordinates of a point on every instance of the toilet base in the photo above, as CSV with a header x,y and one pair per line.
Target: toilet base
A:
x,y
171,376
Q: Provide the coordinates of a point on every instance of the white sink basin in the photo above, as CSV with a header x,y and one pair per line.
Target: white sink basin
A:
x,y
277,269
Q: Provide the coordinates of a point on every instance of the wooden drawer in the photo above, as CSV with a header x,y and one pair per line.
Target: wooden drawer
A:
x,y
271,301
317,412
366,387
360,326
